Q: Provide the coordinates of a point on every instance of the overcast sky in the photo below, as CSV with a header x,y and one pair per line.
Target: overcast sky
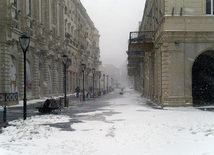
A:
x,y
114,19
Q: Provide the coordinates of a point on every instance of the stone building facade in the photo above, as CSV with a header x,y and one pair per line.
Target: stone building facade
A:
x,y
55,27
171,57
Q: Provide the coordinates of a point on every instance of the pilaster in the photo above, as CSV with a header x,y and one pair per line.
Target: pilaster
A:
x,y
20,75
165,76
61,76
45,78
35,76
54,78
5,68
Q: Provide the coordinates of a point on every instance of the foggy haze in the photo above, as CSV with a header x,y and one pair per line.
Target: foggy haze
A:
x,y
114,20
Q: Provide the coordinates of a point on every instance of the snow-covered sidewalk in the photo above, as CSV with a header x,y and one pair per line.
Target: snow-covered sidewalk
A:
x,y
127,126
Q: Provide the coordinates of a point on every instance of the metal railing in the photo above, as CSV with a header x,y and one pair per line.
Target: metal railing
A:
x,y
141,37
5,97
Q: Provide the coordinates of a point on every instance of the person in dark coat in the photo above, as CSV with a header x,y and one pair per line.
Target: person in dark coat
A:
x,y
77,90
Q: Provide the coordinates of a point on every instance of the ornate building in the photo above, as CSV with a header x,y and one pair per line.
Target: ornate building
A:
x,y
171,57
55,27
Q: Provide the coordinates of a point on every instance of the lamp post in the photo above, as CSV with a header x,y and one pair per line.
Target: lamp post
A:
x,y
83,67
66,62
99,74
104,83
24,41
93,72
107,83
112,83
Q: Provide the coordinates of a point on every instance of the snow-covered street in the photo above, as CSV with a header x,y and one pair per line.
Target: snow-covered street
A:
x,y
125,126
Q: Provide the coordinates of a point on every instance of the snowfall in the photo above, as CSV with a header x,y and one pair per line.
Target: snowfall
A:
x,y
127,126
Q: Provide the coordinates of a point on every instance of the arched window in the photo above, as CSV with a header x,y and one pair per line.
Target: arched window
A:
x,y
209,7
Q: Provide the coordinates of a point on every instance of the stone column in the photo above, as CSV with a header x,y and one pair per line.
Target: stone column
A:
x,y
165,77
20,73
35,77
61,75
45,78
54,78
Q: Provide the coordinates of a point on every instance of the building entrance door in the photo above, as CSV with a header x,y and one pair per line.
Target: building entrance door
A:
x,y
203,79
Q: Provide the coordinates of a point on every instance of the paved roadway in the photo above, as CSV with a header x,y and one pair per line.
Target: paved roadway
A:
x,y
75,106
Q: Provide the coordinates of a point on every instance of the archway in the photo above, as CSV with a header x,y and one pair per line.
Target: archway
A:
x,y
203,79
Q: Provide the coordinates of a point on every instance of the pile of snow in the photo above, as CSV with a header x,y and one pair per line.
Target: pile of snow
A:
x,y
127,126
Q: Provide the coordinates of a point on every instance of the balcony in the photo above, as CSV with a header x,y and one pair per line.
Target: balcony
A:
x,y
139,43
135,59
142,41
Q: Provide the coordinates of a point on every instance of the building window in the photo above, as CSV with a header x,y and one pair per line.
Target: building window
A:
x,y
210,7
14,3
29,8
16,14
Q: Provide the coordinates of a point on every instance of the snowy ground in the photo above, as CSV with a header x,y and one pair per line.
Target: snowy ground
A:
x,y
126,127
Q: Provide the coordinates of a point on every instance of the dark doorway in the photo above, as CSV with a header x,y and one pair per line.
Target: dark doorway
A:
x,y
203,79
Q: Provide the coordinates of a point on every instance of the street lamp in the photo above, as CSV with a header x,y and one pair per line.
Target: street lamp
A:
x,y
112,83
104,83
66,62
24,41
83,67
93,72
107,83
99,74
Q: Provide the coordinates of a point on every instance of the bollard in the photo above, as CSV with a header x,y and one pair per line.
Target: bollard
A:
x,y
81,97
1,114
5,114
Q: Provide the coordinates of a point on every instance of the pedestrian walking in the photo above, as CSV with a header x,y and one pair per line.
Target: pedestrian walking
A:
x,y
77,90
